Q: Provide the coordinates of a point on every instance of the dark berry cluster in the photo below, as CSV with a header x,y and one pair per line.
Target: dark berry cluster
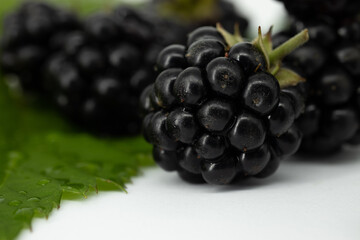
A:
x,y
93,69
330,61
101,70
335,9
215,113
29,35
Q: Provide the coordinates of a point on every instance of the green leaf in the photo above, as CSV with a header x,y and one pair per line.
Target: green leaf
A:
x,y
43,160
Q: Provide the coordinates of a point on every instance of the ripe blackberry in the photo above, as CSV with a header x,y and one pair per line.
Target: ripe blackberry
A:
x,y
215,112
101,70
26,40
93,69
330,62
335,9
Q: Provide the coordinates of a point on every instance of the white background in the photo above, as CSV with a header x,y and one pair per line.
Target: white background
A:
x,y
313,199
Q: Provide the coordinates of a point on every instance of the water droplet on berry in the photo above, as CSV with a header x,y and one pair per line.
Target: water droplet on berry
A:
x,y
43,182
15,203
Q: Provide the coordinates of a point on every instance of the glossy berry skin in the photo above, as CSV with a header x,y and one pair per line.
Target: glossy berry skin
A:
x,y
201,52
203,33
225,77
248,57
330,62
189,86
171,57
224,119
157,133
181,125
261,94
215,115
219,172
210,146
189,160
163,86
288,143
190,177
282,117
254,162
248,132
165,159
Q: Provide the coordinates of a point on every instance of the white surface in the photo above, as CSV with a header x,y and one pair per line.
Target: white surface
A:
x,y
263,13
304,200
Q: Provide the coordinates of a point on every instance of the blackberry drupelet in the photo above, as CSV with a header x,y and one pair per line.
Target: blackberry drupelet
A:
x,y
27,40
222,108
330,62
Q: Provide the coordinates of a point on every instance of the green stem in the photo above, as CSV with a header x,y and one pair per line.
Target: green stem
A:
x,y
287,47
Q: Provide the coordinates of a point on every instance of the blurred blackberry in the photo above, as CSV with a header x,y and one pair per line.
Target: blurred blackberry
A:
x,y
335,9
93,69
101,70
215,113
331,63
26,41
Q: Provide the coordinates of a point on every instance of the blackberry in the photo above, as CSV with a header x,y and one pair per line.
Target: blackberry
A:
x,y
26,41
101,70
308,9
93,69
222,108
330,62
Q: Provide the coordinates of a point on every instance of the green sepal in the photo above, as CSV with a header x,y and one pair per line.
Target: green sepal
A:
x,y
260,45
267,40
288,78
230,39
273,57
